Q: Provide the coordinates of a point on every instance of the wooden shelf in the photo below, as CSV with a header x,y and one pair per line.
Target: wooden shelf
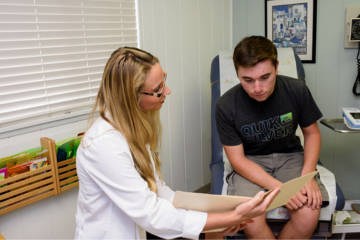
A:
x,y
67,175
32,186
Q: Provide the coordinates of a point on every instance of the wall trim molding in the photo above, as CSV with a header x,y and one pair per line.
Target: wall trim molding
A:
x,y
204,189
42,125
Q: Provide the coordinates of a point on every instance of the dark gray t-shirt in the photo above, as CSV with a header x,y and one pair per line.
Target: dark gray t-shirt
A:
x,y
269,126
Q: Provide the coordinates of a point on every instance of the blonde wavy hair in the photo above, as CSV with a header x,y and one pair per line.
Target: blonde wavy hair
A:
x,y
119,96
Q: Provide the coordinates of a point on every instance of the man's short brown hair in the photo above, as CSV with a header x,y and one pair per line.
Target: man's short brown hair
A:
x,y
252,50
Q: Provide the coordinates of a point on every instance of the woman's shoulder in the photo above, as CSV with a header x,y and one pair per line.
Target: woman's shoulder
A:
x,y
102,132
103,144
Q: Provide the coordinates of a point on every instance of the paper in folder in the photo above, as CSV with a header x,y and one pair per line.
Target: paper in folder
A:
x,y
222,203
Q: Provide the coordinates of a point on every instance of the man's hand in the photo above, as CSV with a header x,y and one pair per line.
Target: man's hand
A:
x,y
314,194
297,201
309,194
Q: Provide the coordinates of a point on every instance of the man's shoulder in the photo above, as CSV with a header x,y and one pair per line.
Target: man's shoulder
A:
x,y
229,95
291,84
289,80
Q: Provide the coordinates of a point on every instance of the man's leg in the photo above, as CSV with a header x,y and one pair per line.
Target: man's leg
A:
x,y
301,225
213,235
303,220
259,229
239,186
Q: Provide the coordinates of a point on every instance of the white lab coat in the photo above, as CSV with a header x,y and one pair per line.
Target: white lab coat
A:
x,y
114,200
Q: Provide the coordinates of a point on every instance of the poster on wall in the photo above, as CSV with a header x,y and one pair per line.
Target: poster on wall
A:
x,y
292,23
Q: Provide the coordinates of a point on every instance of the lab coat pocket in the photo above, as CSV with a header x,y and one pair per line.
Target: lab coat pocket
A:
x,y
79,222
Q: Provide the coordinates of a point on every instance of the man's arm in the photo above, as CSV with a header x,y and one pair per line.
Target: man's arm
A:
x,y
248,169
312,144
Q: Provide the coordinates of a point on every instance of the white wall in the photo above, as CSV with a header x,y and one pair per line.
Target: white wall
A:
x,y
330,80
185,35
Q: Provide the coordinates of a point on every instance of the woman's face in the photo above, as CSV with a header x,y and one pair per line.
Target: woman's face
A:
x,y
153,84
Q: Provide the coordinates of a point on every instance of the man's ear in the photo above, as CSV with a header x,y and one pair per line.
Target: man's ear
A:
x,y
277,67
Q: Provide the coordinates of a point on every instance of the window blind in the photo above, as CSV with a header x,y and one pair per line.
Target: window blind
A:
x,y
53,52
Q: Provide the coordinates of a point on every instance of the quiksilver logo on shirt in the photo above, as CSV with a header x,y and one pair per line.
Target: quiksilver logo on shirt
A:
x,y
267,130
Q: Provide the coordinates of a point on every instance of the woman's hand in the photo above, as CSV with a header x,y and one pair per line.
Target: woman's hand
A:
x,y
235,229
255,206
228,231
239,217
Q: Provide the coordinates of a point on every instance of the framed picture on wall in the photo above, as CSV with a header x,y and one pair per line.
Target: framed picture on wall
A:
x,y
292,23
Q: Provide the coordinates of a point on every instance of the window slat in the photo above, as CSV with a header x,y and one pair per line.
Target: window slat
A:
x,y
18,35
110,18
14,53
73,104
40,98
38,89
61,26
47,110
18,9
23,69
11,18
24,87
63,3
18,2
89,33
18,45
18,27
6,63
23,113
8,83
58,10
99,4
20,78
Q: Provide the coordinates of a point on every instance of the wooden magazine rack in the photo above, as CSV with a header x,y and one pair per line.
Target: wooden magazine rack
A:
x,y
33,186
67,175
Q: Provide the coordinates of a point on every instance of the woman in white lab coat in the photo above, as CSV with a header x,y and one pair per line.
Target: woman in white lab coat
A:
x,y
121,189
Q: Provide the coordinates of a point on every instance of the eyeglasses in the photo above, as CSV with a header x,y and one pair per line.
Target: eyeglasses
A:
x,y
162,86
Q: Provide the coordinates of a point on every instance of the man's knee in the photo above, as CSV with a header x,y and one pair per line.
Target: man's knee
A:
x,y
259,223
258,229
301,225
305,217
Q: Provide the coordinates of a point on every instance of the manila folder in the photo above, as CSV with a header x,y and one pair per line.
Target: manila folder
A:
x,y
221,203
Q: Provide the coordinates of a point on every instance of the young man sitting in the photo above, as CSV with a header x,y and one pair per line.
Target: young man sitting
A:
x,y
256,122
